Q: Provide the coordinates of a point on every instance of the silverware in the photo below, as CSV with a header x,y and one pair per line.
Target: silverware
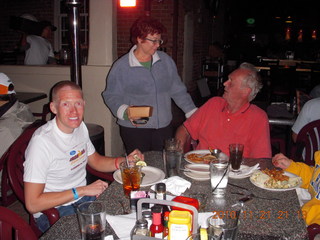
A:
x,y
234,185
215,152
142,175
251,195
241,201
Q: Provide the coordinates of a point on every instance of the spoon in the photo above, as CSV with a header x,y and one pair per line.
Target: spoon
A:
x,y
215,152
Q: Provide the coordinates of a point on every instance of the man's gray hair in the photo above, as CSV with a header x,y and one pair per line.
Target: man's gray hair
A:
x,y
253,79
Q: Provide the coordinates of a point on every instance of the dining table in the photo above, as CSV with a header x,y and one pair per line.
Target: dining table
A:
x,y
29,97
260,218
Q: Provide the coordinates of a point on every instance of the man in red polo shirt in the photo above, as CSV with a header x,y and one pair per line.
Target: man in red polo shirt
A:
x,y
232,118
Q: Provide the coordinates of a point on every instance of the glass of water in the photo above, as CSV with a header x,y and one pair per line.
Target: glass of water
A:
x,y
219,172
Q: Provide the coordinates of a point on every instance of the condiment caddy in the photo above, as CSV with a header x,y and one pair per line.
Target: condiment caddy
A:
x,y
165,203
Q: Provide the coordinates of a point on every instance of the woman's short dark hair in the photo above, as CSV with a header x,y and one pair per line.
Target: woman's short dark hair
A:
x,y
145,25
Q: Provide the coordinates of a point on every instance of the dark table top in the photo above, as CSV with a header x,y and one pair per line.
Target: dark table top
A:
x,y
260,219
29,97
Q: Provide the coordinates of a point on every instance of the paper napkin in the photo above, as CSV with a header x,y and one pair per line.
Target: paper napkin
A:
x,y
303,195
244,171
122,224
176,185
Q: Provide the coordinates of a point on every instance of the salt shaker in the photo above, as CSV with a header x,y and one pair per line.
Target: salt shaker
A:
x,y
140,229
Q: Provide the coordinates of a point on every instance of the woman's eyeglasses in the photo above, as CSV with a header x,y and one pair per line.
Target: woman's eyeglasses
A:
x,y
159,41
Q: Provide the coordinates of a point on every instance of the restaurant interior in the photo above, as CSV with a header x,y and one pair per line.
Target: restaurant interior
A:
x,y
207,39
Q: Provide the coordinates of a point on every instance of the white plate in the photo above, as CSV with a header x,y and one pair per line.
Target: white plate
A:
x,y
201,169
240,176
152,176
277,189
202,152
197,176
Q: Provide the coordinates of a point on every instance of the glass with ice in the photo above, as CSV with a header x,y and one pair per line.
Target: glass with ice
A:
x,y
219,171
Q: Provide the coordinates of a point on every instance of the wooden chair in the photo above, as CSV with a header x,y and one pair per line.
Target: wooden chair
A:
x,y
12,226
308,139
15,171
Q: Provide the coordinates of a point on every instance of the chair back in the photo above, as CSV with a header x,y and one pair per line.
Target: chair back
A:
x,y
15,168
309,139
16,159
12,226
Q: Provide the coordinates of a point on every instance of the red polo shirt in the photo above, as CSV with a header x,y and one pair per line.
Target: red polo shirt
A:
x,y
215,127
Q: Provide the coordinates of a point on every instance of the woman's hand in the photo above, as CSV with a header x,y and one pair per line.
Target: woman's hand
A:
x,y
281,161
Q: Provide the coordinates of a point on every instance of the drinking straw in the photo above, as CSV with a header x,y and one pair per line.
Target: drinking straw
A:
x,y
127,160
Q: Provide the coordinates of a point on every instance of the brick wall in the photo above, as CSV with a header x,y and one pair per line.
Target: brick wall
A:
x,y
164,12
161,10
41,9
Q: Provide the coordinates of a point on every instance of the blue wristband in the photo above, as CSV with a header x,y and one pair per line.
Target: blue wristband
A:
x,y
75,194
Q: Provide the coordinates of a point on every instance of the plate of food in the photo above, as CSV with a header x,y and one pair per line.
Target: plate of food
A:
x,y
275,180
200,156
151,176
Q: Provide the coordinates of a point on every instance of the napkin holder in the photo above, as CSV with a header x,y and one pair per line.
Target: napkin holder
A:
x,y
168,203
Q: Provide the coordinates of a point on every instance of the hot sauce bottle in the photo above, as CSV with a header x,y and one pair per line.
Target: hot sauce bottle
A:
x,y
156,228
166,222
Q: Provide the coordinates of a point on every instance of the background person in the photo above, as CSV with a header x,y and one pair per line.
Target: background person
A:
x,y
14,118
309,113
232,118
38,49
310,180
14,115
145,76
56,158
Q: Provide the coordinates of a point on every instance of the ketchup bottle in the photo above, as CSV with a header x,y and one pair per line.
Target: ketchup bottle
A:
x,y
156,228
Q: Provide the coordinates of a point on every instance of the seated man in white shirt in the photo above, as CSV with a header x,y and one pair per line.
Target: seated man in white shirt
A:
x,y
57,155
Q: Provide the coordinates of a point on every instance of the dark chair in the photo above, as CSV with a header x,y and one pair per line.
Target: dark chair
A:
x,y
307,139
7,196
15,160
44,113
12,226
96,134
313,230
101,175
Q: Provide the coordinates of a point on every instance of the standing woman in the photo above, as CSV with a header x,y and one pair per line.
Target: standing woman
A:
x,y
146,77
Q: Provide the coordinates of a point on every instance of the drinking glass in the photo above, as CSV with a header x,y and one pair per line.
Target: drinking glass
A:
x,y
92,219
219,171
131,177
224,227
172,155
198,236
236,153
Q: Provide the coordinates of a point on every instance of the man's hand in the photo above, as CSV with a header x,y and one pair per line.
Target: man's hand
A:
x,y
135,156
281,161
95,188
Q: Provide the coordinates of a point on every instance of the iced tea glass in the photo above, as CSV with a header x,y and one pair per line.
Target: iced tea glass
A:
x,y
131,177
236,155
